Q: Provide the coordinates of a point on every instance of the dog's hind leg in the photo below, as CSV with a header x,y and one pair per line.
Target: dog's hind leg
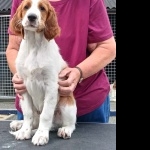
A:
x,y
16,125
68,110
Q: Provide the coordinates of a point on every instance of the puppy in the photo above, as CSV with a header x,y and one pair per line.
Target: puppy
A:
x,y
38,63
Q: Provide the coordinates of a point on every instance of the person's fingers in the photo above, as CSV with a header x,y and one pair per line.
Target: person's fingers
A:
x,y
72,76
66,87
64,73
19,86
16,79
67,91
66,83
20,92
20,97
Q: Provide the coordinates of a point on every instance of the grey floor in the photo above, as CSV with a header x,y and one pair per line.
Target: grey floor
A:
x,y
10,105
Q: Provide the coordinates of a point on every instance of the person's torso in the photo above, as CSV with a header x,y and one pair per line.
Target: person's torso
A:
x,y
73,19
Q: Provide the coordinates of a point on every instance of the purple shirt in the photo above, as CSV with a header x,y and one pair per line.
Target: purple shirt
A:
x,y
82,22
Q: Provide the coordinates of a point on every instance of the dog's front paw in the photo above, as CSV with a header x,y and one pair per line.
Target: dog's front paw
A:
x,y
41,137
64,132
22,134
16,125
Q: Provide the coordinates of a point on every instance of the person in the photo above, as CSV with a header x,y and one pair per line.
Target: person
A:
x,y
86,41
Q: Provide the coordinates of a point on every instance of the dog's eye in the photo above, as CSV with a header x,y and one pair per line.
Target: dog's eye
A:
x,y
42,8
26,7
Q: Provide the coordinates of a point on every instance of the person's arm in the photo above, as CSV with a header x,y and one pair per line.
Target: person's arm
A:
x,y
14,41
101,44
102,53
11,54
12,51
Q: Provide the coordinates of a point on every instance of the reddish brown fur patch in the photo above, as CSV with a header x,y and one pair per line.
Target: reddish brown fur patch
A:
x,y
52,28
14,26
15,23
66,100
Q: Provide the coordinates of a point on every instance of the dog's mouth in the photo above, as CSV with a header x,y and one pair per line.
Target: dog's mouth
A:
x,y
29,24
32,25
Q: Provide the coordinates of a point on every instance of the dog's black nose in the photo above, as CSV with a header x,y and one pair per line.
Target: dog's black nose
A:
x,y
32,17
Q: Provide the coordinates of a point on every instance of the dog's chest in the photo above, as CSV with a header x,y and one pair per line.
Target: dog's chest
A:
x,y
36,64
33,63
34,69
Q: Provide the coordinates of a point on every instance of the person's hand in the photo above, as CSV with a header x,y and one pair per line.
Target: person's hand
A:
x,y
18,85
69,78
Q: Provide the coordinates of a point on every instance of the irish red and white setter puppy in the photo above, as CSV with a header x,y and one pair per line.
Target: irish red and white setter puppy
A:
x,y
39,63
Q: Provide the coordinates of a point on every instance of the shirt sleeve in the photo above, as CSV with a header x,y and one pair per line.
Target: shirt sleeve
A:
x,y
14,6
99,28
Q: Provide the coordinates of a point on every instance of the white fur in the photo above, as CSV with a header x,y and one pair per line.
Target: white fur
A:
x,y
39,63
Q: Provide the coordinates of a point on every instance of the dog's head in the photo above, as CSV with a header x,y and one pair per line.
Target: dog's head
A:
x,y
36,16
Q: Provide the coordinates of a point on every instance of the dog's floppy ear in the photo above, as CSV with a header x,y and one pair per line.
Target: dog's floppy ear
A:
x,y
15,23
52,28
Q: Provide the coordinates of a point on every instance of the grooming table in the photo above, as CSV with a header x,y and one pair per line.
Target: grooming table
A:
x,y
87,136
